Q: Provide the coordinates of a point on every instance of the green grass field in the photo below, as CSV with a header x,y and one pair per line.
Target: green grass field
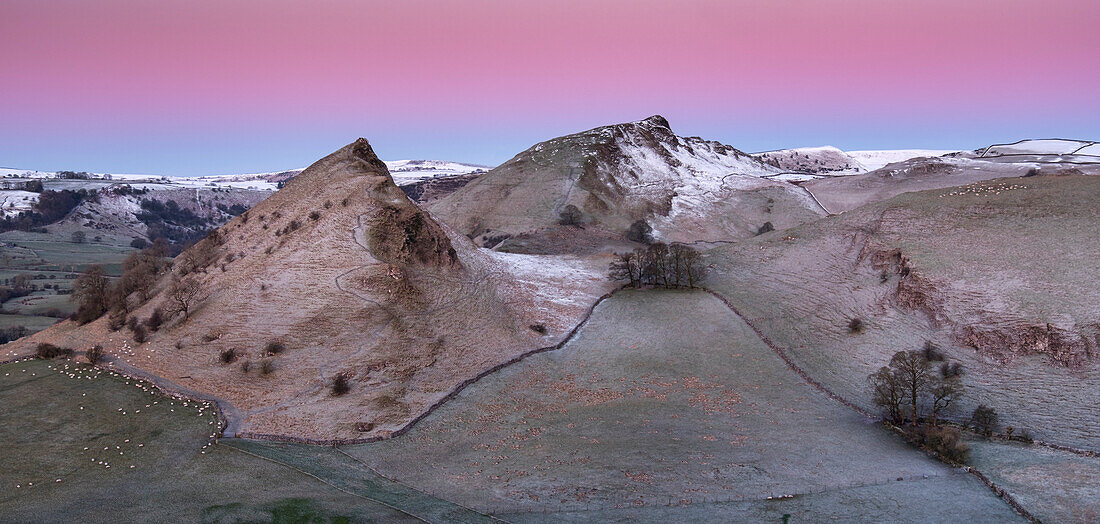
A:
x,y
51,261
84,445
32,323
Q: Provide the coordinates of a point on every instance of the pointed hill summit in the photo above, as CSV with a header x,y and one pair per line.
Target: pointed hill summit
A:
x,y
597,184
338,274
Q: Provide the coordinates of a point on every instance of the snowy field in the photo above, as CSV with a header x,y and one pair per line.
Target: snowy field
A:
x,y
1052,146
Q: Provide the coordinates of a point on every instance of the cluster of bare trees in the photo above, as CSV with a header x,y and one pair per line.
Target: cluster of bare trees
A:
x,y
659,264
922,382
913,385
96,295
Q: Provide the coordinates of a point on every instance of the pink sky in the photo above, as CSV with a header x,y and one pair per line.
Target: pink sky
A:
x,y
249,85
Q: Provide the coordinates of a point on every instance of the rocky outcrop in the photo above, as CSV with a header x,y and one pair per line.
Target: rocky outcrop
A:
x,y
996,334
1006,340
406,235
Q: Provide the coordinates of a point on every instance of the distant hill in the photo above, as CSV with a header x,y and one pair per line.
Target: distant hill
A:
x,y
119,214
830,161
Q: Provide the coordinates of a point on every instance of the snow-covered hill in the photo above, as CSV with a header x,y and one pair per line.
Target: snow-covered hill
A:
x,y
807,163
613,178
403,172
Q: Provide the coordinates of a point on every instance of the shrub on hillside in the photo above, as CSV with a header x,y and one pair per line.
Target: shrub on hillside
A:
x,y
340,385
116,320
140,334
946,442
274,347
856,325
94,354
570,216
932,353
156,319
640,231
267,366
984,420
228,356
48,351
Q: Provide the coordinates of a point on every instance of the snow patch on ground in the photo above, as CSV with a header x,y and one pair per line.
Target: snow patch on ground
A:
x,y
1090,150
553,288
405,172
12,202
695,171
794,177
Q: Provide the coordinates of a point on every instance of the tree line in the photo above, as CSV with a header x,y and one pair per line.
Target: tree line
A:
x,y
659,264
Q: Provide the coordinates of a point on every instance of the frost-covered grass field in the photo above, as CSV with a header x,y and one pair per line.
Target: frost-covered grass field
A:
x,y
1055,486
668,399
64,423
999,257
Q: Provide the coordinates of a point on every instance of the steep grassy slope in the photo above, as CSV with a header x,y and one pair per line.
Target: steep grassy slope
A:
x,y
351,278
1001,274
686,188
668,398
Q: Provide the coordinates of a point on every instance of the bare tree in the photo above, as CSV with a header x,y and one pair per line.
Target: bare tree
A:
x,y
945,388
139,273
887,392
659,259
984,419
658,265
182,295
689,264
915,374
625,267
90,292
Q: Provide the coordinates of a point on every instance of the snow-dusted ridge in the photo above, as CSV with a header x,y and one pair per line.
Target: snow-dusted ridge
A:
x,y
403,171
807,163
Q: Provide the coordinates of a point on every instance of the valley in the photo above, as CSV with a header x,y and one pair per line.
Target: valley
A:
x,y
517,343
